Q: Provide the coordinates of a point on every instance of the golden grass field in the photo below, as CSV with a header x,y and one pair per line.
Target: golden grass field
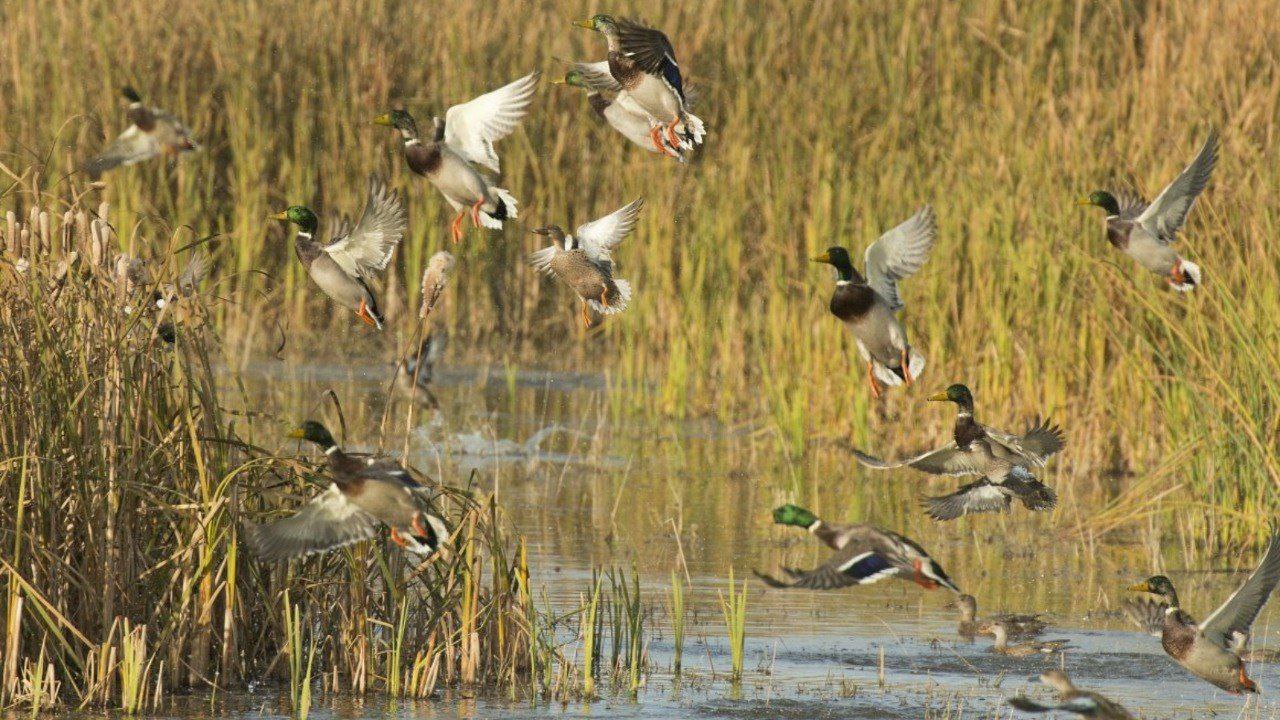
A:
x,y
829,122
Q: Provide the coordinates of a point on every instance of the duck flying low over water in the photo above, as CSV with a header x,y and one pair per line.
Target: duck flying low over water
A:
x,y
863,554
342,265
461,141
642,62
1147,232
1018,626
1004,461
1212,650
626,117
584,260
366,491
868,305
151,132
1072,699
1000,632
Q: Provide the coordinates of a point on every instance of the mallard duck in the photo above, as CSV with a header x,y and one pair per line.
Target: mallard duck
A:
x,y
462,140
864,554
1000,632
1004,461
434,279
1019,626
643,62
584,262
1147,232
868,305
626,117
366,491
1212,649
1072,699
342,265
151,132
415,370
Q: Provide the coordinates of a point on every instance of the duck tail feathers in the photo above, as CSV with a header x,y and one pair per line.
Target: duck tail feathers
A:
x,y
1191,276
618,303
694,130
506,210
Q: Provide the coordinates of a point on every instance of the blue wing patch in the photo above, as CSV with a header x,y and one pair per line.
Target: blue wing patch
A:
x,y
671,73
868,567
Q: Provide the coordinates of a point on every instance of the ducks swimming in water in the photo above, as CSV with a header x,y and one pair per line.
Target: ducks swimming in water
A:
x,y
1017,626
1212,650
868,304
1146,233
1000,631
152,132
366,491
863,554
1003,461
462,141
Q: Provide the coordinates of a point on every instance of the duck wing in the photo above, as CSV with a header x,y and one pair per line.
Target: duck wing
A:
x,y
852,565
1035,446
471,129
946,460
596,76
1237,614
1034,494
599,237
131,146
367,248
652,52
1166,214
329,521
900,253
982,496
1147,612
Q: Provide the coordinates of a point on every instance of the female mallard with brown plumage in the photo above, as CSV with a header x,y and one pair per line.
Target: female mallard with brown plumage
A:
x,y
643,63
1004,461
151,132
584,260
868,305
1147,232
342,265
863,554
1212,650
1018,626
1000,632
626,117
461,141
366,491
1072,699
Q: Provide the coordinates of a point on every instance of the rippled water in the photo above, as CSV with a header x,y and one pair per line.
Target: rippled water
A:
x,y
603,486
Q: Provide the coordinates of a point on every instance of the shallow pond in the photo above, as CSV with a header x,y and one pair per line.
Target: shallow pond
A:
x,y
601,486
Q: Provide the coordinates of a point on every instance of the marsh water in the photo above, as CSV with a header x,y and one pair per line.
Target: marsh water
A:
x,y
590,483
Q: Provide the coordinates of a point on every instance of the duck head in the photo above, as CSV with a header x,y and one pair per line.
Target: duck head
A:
x,y
558,236
958,394
301,216
312,431
400,120
838,258
603,24
1102,199
1158,585
794,515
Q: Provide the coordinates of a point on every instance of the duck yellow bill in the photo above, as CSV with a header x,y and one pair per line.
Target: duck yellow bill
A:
x,y
383,119
824,258
1084,201
1140,587
284,215
559,81
297,433
939,397
585,24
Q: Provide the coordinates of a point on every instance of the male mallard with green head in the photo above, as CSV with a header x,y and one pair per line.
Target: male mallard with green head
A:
x,y
627,118
1000,632
1004,461
1147,232
643,62
1212,649
1072,699
868,305
584,260
1018,626
863,554
342,265
151,132
459,142
366,491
